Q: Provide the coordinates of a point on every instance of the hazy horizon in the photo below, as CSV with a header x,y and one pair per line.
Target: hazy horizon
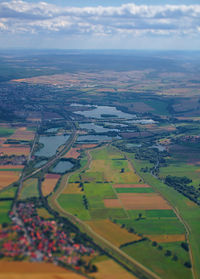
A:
x,y
144,25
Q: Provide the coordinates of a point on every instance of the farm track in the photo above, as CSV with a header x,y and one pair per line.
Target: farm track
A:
x,y
128,262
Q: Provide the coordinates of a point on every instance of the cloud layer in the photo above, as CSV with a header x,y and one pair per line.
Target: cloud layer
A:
x,y
20,17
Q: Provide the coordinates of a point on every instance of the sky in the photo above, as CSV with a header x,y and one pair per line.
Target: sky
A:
x,y
100,24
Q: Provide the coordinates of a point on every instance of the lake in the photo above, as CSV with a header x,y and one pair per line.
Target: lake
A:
x,y
99,110
63,166
50,145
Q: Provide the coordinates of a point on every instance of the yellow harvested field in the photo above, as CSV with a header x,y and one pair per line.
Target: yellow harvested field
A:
x,y
8,177
112,203
22,134
164,238
15,151
26,270
112,232
143,201
111,270
111,174
49,183
72,188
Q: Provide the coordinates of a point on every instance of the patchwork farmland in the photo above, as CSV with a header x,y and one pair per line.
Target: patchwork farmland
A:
x,y
113,200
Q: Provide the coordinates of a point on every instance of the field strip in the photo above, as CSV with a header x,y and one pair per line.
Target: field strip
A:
x,y
128,217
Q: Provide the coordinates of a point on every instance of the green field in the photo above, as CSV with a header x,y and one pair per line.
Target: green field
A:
x,y
134,190
152,213
154,226
8,193
5,132
4,209
29,189
156,260
73,203
182,169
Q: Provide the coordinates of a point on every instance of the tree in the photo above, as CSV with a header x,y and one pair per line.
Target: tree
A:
x,y
188,264
154,243
168,253
185,246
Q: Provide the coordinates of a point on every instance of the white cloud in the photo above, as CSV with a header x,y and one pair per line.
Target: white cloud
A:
x,y
40,17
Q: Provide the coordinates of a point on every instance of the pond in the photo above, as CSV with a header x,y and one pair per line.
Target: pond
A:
x,y
96,128
94,138
63,166
105,110
50,145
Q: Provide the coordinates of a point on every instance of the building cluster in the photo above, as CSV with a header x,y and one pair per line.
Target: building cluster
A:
x,y
39,239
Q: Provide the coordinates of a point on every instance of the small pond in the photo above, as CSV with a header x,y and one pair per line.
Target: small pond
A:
x,y
63,166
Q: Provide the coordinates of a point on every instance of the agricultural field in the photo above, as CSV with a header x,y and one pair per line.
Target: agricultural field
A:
x,y
110,269
5,207
6,131
49,183
158,260
112,232
27,270
23,134
72,153
29,189
110,197
8,176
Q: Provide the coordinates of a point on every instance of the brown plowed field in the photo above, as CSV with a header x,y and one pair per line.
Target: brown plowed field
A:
x,y
8,177
143,201
72,153
112,203
22,134
26,270
52,175
11,167
167,238
49,183
131,186
15,151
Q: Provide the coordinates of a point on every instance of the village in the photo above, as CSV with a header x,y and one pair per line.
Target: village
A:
x,y
32,238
